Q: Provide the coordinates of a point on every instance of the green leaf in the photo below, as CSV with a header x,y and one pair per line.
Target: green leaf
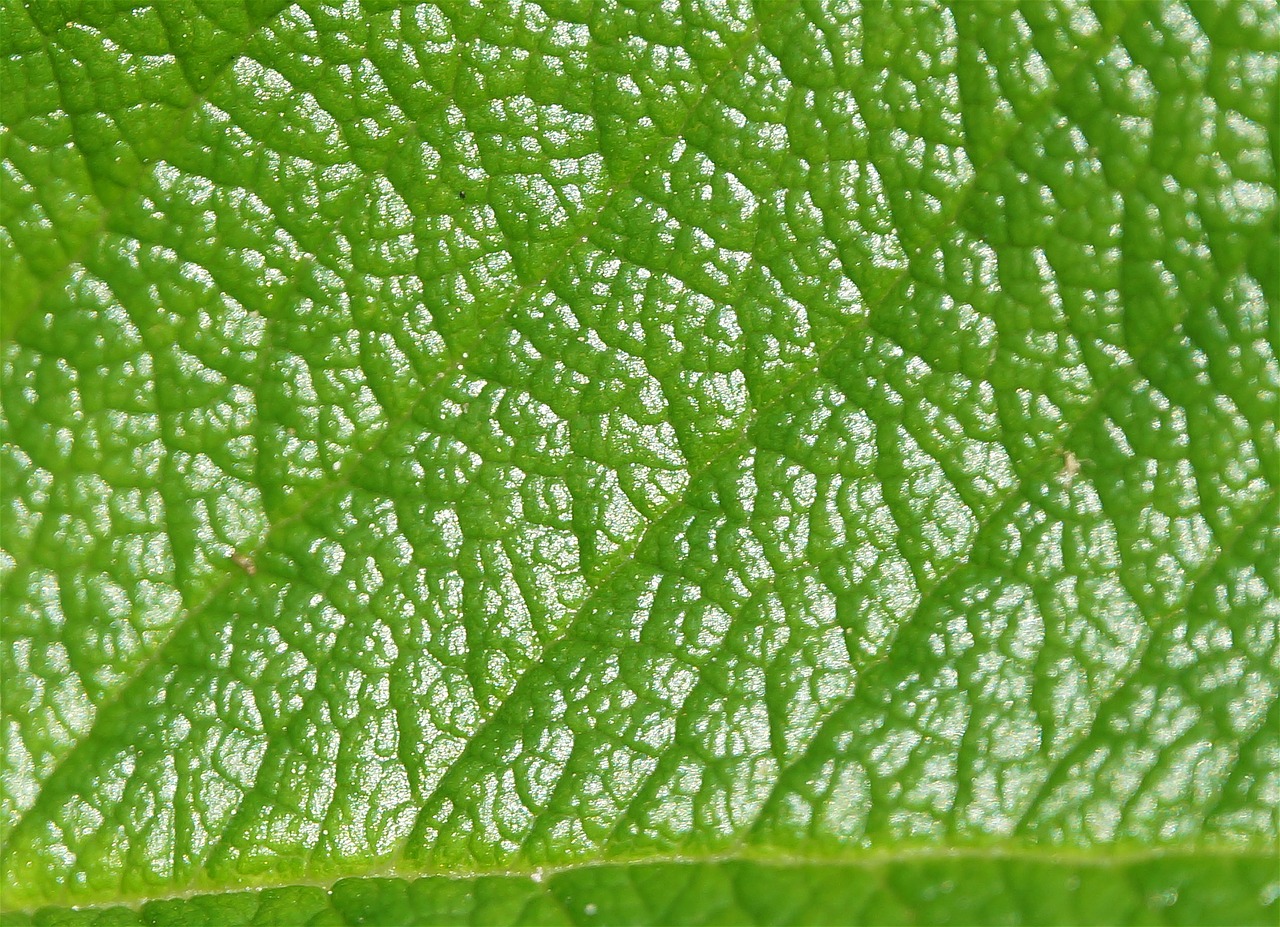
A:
x,y
610,462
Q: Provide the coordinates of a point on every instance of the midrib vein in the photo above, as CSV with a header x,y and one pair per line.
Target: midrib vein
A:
x,y
780,858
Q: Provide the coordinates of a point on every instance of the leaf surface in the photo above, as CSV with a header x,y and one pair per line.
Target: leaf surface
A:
x,y
778,462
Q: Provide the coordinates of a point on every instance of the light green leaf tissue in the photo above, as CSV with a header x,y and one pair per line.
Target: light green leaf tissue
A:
x,y
621,462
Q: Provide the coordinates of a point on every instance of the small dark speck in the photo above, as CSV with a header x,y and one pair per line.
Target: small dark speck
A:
x,y
461,195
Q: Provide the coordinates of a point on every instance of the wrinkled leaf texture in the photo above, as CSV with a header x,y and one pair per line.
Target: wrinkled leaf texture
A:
x,y
621,462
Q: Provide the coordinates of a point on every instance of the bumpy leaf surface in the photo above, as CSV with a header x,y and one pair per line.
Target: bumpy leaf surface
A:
x,y
609,462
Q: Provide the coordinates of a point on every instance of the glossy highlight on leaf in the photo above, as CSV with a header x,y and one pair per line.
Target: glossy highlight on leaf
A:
x,y
617,462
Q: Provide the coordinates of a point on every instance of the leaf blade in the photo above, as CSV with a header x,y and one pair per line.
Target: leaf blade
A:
x,y
837,428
